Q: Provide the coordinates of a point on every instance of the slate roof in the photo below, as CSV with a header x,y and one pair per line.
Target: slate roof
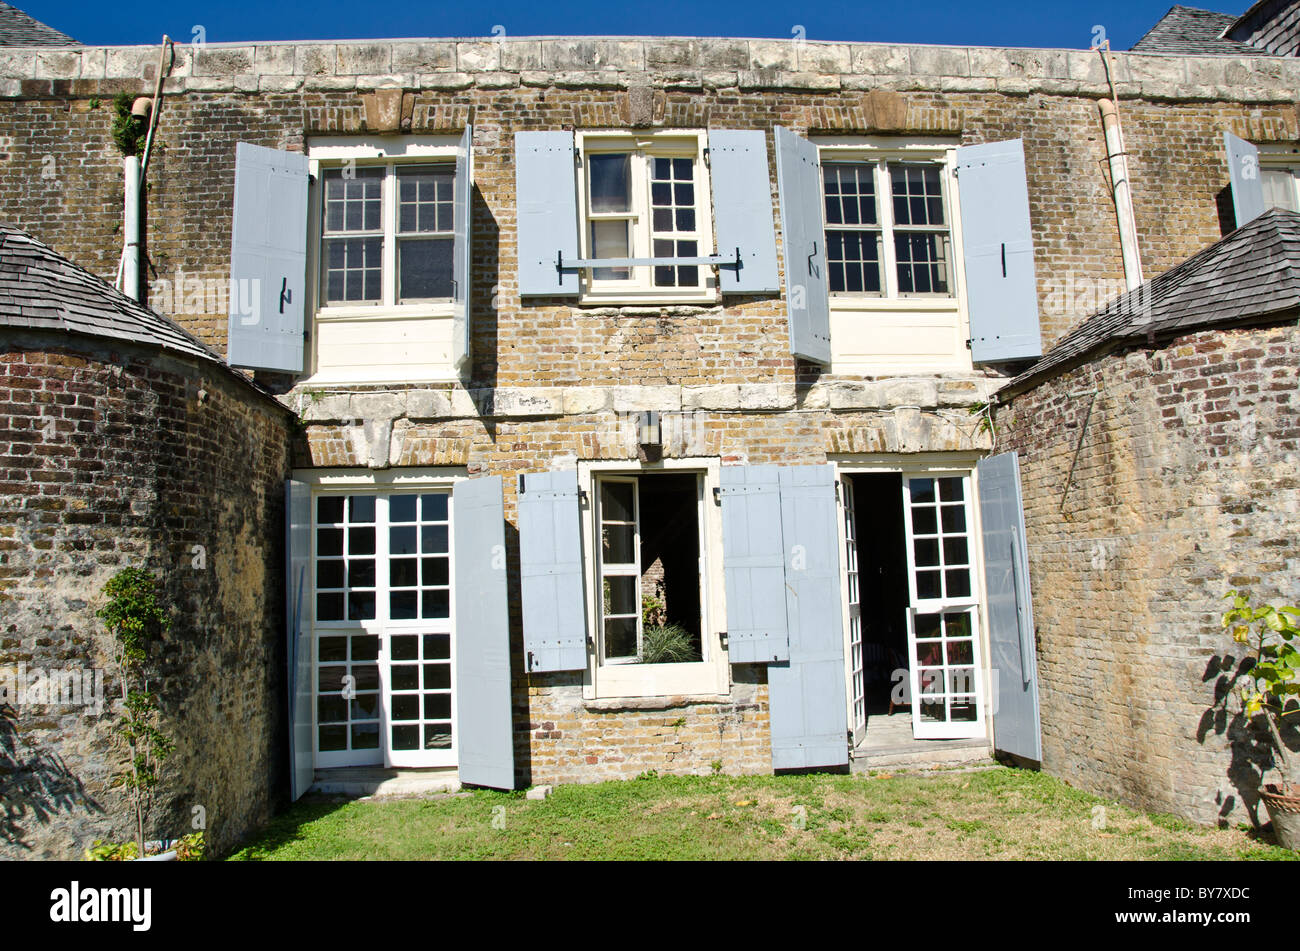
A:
x,y
1250,276
41,290
1191,31
18,29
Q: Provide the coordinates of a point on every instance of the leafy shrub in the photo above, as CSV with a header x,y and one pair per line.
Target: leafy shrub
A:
x,y
667,644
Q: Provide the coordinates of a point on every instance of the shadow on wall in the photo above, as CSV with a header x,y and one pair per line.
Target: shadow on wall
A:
x,y
1250,744
34,784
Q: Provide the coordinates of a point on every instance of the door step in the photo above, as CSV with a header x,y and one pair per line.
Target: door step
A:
x,y
923,754
381,783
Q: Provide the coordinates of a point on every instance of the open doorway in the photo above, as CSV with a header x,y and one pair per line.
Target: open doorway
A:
x,y
874,503
913,609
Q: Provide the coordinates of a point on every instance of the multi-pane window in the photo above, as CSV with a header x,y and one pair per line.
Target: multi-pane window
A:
x,y
383,627
642,204
386,234
1280,187
897,247
940,533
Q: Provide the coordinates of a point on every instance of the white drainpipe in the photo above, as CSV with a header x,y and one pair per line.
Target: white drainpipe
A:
x,y
131,227
1118,159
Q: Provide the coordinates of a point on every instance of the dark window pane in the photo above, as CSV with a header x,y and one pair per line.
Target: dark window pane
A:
x,y
406,707
361,574
361,606
365,736
401,540
333,738
331,708
611,183
402,605
437,676
361,541
361,508
329,607
437,706
424,268
406,647
433,539
437,736
402,573
437,647
333,649
401,508
367,675
434,571
329,574
406,736
329,510
406,677
958,583
924,521
364,647
433,508
437,604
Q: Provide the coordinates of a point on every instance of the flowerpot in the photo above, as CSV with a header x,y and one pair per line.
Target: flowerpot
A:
x,y
1285,812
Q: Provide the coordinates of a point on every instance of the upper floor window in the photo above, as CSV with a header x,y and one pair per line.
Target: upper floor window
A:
x,y
1281,186
386,234
888,231
645,197
383,248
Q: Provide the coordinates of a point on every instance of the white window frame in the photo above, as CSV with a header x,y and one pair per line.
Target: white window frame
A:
x,y
387,316
334,482
643,146
708,677
1281,159
946,313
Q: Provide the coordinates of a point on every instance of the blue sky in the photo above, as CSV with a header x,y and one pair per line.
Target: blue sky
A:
x,y
1054,23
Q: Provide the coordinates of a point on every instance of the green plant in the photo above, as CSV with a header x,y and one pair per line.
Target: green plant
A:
x,y
653,611
94,102
113,851
129,131
1268,684
135,618
190,848
667,644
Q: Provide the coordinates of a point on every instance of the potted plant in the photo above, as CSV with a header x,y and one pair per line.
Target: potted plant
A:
x,y
135,619
1269,687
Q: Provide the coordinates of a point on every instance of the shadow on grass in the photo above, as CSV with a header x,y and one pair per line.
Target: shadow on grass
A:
x,y
286,828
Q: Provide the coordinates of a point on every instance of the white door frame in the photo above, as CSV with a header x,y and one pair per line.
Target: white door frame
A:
x,y
962,463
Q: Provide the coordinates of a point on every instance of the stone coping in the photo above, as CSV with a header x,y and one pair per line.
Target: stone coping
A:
x,y
620,62
454,402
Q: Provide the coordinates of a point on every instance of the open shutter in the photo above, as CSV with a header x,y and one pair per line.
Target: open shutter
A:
x,y
998,252
268,259
460,265
550,569
546,202
485,743
297,556
753,564
807,297
742,210
1010,612
1243,173
806,696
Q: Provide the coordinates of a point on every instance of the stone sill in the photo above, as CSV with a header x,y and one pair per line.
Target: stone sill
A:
x,y
320,405
619,704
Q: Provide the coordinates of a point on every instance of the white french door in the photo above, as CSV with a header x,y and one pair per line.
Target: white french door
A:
x,y
382,629
944,656
853,600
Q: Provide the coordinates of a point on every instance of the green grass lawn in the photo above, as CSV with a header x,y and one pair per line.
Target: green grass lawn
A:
x,y
992,814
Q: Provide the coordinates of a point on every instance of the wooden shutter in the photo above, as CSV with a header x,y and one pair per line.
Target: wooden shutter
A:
x,y
485,735
1243,173
1010,610
742,210
806,696
268,260
550,569
546,209
298,642
753,564
462,213
799,187
998,252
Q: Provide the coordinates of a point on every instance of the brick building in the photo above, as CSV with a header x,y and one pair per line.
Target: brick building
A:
x,y
551,312
1158,449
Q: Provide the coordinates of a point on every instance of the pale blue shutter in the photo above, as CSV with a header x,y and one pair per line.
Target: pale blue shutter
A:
x,y
546,211
268,259
807,296
1010,610
742,210
550,572
485,743
462,211
998,252
1243,173
806,697
753,564
298,644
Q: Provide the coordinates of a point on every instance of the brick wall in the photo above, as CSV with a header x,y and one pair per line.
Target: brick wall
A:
x,y
115,456
1185,487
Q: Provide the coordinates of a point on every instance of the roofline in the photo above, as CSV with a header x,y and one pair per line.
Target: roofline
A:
x,y
1019,387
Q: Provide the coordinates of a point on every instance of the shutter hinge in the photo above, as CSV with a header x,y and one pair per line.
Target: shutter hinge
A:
x,y
717,495
521,479
708,163
837,490
530,660
968,343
